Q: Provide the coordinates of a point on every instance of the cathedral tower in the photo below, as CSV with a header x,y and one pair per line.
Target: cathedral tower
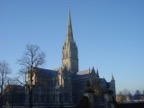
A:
x,y
70,51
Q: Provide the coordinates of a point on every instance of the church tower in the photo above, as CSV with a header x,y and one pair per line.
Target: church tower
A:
x,y
70,51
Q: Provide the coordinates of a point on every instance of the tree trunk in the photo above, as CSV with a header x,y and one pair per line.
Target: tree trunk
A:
x,y
30,98
1,95
1,103
31,89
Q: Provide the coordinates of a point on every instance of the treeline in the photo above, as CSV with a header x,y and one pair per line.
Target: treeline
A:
x,y
126,96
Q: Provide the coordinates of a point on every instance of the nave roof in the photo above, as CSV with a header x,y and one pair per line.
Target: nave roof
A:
x,y
47,72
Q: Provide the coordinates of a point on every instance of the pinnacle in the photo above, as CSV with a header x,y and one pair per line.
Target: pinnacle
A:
x,y
113,77
69,34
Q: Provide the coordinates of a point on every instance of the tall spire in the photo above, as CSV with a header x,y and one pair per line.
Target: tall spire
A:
x,y
70,51
69,35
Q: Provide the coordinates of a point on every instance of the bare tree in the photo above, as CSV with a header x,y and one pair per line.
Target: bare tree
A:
x,y
120,98
137,92
137,95
124,96
4,71
31,59
125,92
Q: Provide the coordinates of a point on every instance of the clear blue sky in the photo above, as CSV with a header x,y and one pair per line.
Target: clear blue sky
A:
x,y
109,35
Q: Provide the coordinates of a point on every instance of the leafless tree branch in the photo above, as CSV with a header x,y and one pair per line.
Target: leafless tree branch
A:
x,y
31,59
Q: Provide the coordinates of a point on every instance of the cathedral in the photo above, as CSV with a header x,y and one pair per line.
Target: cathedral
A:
x,y
67,85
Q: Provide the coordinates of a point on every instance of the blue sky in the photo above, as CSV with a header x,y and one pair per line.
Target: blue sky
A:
x,y
109,35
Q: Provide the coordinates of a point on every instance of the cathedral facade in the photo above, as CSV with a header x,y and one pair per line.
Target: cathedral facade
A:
x,y
66,85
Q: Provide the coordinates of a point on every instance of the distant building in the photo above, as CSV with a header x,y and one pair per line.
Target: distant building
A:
x,y
65,86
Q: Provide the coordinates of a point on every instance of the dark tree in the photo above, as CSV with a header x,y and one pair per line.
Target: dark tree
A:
x,y
137,92
4,71
31,59
137,95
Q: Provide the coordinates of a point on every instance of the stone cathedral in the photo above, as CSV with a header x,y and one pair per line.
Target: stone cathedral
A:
x,y
66,85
